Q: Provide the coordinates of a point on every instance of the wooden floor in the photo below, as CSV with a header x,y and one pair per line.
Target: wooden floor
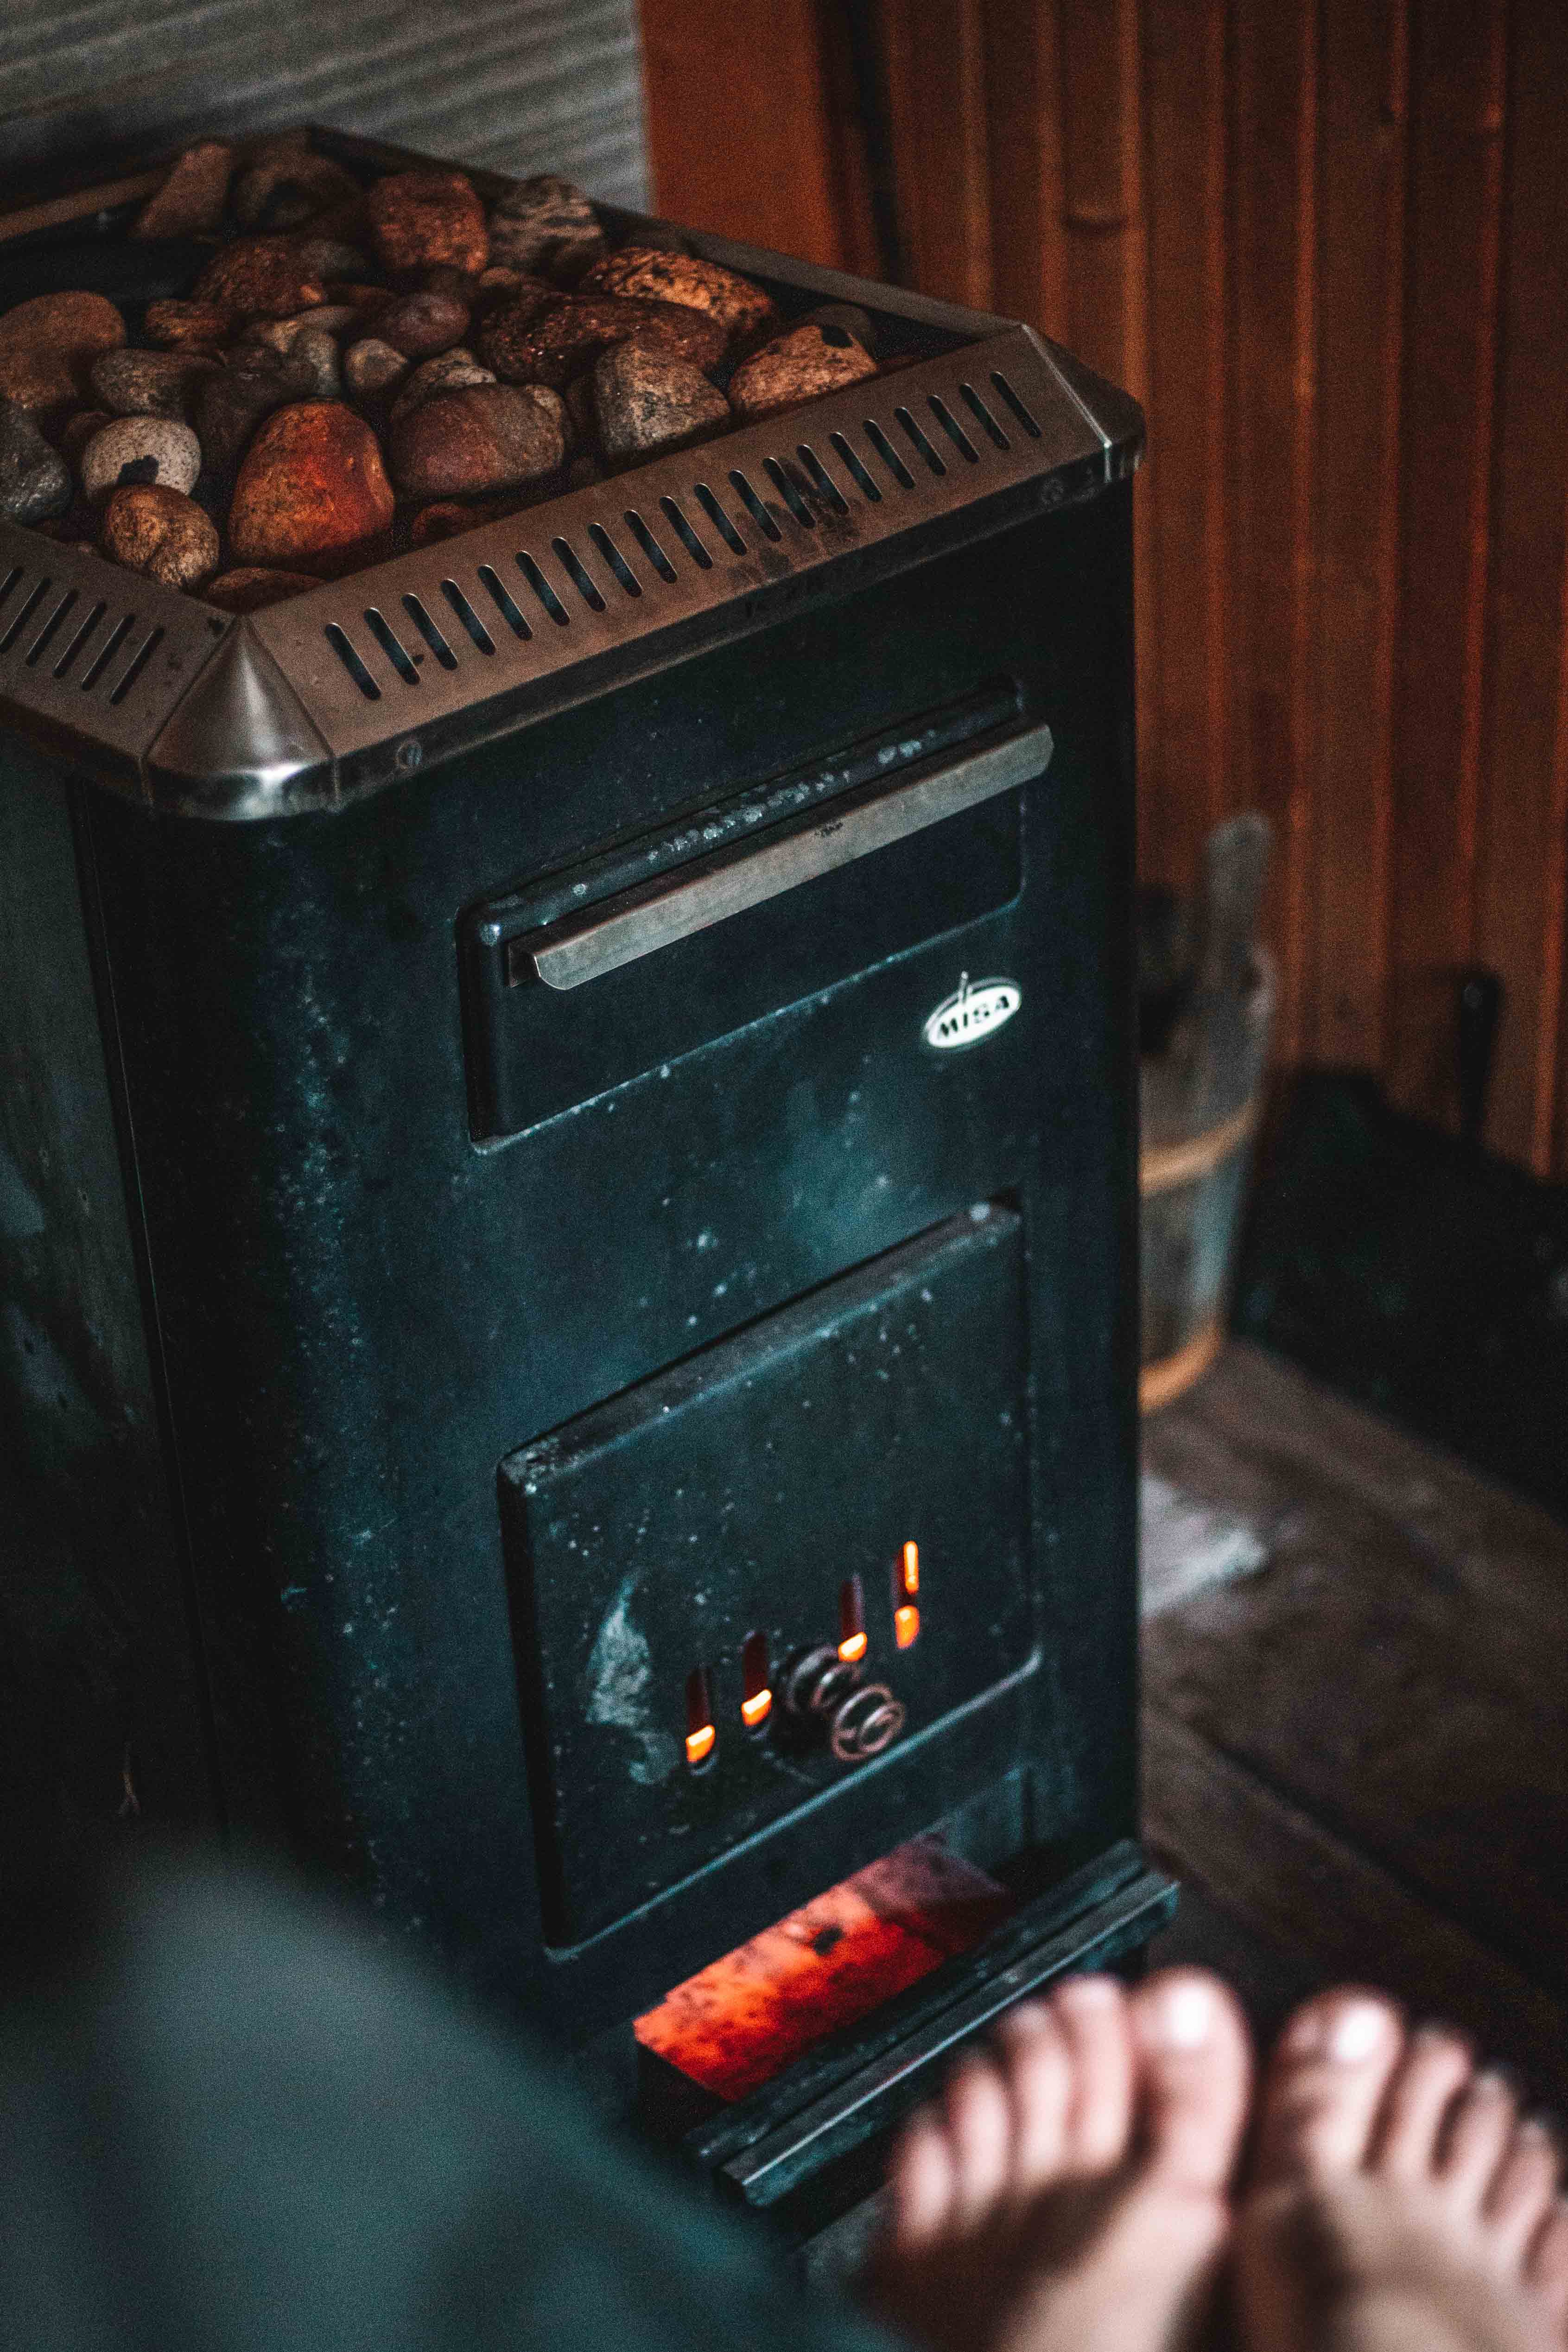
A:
x,y
1356,1714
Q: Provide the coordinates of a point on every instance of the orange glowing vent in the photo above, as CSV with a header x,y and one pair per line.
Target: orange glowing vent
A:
x,y
702,1735
757,1698
700,1744
906,1625
911,1577
852,1621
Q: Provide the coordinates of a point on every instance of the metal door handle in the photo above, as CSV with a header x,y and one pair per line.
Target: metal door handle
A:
x,y
656,914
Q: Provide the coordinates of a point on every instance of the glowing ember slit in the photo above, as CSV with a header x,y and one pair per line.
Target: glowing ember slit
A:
x,y
749,2015
911,1568
906,1626
757,1698
852,1621
702,1733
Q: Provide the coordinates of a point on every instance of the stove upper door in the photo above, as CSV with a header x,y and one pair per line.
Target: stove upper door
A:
x,y
782,1564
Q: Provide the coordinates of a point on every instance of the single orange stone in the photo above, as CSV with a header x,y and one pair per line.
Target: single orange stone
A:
x,y
312,493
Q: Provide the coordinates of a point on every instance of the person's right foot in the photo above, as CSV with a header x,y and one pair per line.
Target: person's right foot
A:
x,y
1397,2202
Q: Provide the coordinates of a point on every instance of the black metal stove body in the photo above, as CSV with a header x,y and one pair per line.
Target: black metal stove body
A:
x,y
520,1184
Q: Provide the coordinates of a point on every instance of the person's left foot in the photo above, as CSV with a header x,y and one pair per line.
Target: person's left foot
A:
x,y
1069,2193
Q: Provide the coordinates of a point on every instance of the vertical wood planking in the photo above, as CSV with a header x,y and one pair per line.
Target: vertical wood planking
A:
x,y
1362,166
1273,202
739,124
1023,113
934,60
1107,267
1523,833
1456,199
1184,785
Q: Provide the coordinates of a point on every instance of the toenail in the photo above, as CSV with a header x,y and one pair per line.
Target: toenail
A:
x,y
1184,2016
1356,2032
1101,1988
1028,2017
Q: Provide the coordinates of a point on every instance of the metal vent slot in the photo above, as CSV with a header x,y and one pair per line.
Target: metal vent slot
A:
x,y
983,416
392,644
864,481
687,536
754,506
22,615
790,490
822,481
888,453
40,643
107,651
430,633
138,662
500,596
480,635
336,638
917,438
84,630
720,520
544,591
615,559
1014,403
10,582
650,546
565,555
953,429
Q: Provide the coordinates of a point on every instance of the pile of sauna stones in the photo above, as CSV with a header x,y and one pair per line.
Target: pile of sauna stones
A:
x,y
351,371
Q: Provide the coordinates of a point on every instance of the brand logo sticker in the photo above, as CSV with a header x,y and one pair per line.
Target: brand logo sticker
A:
x,y
972,1014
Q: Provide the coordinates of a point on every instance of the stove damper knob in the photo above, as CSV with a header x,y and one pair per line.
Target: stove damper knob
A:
x,y
818,1681
869,1720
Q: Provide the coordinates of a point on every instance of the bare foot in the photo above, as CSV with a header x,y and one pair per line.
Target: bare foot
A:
x,y
1399,2203
1069,2193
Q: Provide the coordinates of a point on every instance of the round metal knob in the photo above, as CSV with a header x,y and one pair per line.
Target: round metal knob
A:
x,y
816,1683
867,1721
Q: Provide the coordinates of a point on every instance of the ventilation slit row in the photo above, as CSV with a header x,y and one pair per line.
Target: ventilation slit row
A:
x,y
497,590
953,429
339,641
864,481
687,536
754,506
978,410
790,490
888,453
822,481
914,435
9,582
614,558
1014,403
23,615
84,630
430,633
565,555
483,640
392,644
138,662
107,651
544,591
649,544
40,643
720,520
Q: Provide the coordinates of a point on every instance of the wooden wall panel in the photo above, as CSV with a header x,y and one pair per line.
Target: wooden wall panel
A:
x,y
1274,197
1455,212
1184,778
1361,164
1523,834
1327,242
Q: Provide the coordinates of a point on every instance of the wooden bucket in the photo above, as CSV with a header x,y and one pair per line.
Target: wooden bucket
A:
x,y
1198,1124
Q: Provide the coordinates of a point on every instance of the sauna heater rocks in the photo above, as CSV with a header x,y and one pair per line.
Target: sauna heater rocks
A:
x,y
567,1208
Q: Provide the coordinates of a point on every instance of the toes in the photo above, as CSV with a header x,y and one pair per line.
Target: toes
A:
x,y
1434,2066
980,2132
922,2182
1481,2125
1547,2267
1325,2086
1039,2084
1194,2073
1518,2201
1092,2014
